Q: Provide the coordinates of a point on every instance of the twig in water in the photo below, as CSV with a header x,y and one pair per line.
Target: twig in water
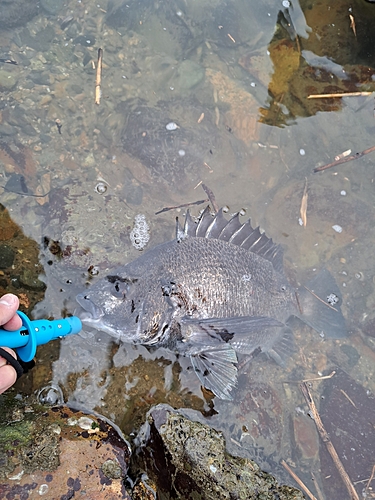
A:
x,y
211,197
339,94
327,441
317,487
298,480
348,398
321,300
98,80
166,209
369,482
303,209
352,25
320,378
345,160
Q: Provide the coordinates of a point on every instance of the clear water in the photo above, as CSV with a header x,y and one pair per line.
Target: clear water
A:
x,y
234,77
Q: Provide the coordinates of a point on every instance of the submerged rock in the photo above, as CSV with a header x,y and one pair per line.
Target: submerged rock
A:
x,y
17,12
187,459
59,452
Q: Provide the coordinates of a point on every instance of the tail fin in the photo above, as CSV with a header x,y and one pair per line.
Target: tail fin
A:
x,y
320,302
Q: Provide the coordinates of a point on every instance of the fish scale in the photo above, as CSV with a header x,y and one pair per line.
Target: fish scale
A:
x,y
216,291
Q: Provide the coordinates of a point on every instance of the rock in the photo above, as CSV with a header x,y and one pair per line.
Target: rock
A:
x,y
7,256
347,410
59,452
52,6
17,12
195,464
125,14
6,129
189,74
30,280
7,80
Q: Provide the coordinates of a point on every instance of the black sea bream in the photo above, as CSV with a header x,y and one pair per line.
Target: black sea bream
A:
x,y
216,291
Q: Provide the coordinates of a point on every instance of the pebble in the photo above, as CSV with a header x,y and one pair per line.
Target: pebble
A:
x,y
172,126
302,152
337,228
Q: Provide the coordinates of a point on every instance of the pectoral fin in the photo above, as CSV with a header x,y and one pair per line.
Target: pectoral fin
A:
x,y
216,368
224,329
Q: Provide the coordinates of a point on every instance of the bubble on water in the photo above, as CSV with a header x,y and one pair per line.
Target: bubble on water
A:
x,y
181,152
140,234
50,395
101,188
302,152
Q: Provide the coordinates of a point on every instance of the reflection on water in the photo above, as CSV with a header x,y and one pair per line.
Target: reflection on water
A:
x,y
234,77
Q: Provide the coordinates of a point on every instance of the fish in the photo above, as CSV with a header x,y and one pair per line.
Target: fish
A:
x,y
215,292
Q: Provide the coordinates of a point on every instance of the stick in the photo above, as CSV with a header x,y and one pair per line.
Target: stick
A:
x,y
346,159
166,209
369,481
211,197
298,480
327,441
321,300
320,378
98,80
317,487
303,209
339,94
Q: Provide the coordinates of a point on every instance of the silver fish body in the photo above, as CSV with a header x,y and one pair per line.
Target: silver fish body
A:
x,y
218,289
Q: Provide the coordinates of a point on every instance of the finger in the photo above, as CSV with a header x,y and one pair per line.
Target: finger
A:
x,y
3,361
14,324
9,304
8,376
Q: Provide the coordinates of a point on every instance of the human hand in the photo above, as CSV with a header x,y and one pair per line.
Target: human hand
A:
x,y
9,320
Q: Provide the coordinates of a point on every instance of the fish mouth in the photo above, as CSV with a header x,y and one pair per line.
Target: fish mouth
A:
x,y
93,316
90,313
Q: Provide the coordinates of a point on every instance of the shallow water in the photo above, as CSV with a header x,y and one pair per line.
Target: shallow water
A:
x,y
234,78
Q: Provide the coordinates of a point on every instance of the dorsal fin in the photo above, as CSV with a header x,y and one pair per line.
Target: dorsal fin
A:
x,y
233,231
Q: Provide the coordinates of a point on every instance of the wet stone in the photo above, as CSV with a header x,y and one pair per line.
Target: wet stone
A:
x,y
29,280
195,462
52,6
146,138
6,129
124,13
45,442
85,40
17,13
7,256
7,80
347,410
40,77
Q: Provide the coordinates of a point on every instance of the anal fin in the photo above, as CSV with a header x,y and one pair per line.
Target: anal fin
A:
x,y
283,347
216,368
